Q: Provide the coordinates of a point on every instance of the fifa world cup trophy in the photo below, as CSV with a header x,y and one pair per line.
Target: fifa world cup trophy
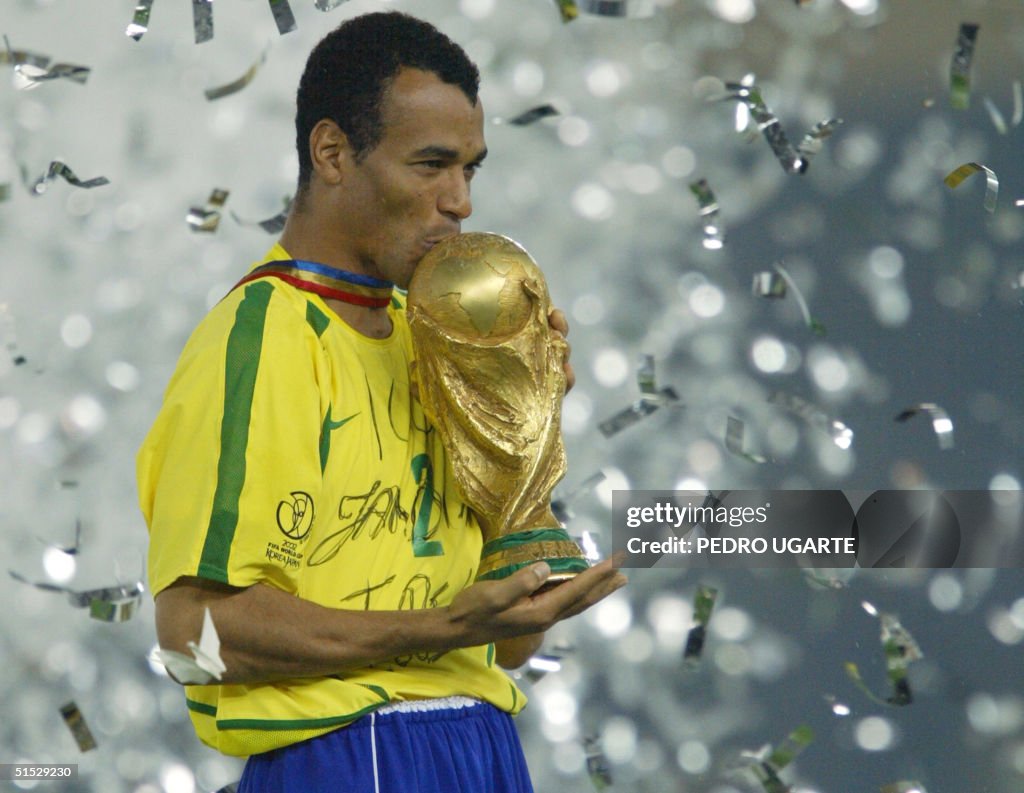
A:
x,y
491,379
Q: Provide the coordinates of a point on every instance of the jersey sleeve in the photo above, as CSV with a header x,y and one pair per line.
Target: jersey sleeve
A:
x,y
230,475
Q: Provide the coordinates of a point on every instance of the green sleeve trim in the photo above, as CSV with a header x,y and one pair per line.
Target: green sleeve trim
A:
x,y
201,707
245,343
490,654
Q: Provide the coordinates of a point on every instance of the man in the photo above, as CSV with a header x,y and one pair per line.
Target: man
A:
x,y
293,487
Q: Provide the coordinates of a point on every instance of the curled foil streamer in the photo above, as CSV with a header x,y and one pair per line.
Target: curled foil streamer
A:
x,y
202,20
792,160
768,124
55,169
651,398
272,225
713,232
22,57
960,68
207,218
562,506
283,16
814,325
79,729
735,429
108,604
233,87
900,650
140,20
998,120
598,768
955,177
942,424
703,605
70,550
841,435
813,140
328,5
531,116
766,763
28,76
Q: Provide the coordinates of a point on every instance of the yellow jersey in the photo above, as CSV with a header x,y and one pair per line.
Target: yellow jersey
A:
x,y
289,451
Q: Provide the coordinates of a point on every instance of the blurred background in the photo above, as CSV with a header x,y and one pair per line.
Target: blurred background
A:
x,y
915,290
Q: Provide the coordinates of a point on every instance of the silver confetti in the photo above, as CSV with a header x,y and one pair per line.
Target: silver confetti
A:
x,y
140,20
703,605
903,786
651,398
942,424
233,87
541,664
841,435
28,76
207,218
10,337
620,9
768,284
55,169
735,430
108,604
812,142
955,177
768,124
283,16
79,729
562,507
713,239
960,68
22,57
598,768
531,116
809,321
328,5
202,20
272,225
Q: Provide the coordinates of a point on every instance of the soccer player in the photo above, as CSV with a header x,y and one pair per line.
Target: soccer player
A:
x,y
292,485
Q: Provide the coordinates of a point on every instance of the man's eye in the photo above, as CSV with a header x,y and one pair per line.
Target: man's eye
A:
x,y
433,163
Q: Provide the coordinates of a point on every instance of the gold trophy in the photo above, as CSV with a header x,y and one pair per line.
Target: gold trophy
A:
x,y
491,379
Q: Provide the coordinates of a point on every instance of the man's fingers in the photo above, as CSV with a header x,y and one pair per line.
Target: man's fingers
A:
x,y
558,321
584,590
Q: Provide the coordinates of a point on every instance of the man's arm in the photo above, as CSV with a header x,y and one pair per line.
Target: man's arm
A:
x,y
267,634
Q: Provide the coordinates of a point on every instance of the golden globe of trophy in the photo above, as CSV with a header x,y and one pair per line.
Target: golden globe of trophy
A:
x,y
491,378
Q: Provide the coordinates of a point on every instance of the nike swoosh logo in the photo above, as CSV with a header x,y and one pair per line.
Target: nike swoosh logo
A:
x,y
333,425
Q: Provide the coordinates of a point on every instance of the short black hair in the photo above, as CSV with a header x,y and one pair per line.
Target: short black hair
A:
x,y
348,72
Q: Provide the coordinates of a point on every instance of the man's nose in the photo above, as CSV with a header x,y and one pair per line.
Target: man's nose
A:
x,y
454,199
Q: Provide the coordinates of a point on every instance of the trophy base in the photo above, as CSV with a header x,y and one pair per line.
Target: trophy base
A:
x,y
503,556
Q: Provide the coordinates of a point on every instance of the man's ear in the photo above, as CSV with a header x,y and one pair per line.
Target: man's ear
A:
x,y
329,151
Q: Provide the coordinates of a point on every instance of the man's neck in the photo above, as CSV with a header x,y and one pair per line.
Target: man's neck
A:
x,y
302,237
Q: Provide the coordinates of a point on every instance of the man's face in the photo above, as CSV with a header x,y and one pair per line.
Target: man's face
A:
x,y
412,190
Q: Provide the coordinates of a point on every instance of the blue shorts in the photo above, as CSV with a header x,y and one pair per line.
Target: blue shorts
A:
x,y
432,747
